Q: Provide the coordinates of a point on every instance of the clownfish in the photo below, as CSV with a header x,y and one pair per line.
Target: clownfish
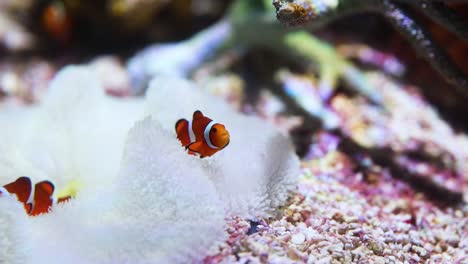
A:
x,y
37,201
57,22
202,135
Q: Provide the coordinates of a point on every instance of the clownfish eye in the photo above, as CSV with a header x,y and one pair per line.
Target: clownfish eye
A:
x,y
214,130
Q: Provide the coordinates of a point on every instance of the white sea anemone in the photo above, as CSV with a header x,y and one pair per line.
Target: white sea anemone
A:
x,y
143,198
256,170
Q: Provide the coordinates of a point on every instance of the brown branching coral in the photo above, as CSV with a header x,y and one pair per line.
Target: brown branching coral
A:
x,y
318,12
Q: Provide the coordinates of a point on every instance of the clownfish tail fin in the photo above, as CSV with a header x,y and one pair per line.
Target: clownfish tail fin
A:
x,y
179,123
182,131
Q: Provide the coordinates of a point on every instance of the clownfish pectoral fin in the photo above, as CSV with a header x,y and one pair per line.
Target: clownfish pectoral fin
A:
x,y
28,207
63,199
22,187
43,192
195,147
197,115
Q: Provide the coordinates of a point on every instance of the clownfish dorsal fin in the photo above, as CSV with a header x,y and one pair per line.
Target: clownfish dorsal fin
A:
x,y
43,197
22,187
197,115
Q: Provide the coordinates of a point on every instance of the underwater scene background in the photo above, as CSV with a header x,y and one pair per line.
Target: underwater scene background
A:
x,y
244,131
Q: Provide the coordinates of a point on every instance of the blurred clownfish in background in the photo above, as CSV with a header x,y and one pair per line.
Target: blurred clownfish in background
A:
x,y
35,201
56,22
202,135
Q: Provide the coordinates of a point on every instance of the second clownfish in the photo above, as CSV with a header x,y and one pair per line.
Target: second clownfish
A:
x,y
202,135
35,201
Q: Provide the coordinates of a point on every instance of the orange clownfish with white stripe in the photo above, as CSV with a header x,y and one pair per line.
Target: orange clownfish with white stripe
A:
x,y
202,135
35,201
